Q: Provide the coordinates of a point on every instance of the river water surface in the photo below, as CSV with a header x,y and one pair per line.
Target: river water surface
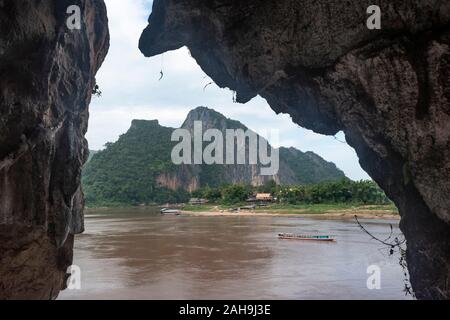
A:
x,y
140,254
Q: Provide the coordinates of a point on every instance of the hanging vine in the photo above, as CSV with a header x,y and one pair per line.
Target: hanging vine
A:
x,y
161,73
394,244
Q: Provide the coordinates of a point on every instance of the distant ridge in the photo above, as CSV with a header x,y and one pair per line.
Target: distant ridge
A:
x,y
138,168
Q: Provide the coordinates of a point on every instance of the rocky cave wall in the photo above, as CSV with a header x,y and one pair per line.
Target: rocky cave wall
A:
x,y
387,89
47,73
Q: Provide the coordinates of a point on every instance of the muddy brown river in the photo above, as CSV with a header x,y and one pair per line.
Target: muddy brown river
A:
x,y
140,254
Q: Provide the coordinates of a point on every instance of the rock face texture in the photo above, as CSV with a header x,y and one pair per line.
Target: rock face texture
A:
x,y
311,167
47,73
388,90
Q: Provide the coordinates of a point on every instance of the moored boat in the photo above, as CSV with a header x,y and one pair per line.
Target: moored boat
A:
x,y
291,236
169,211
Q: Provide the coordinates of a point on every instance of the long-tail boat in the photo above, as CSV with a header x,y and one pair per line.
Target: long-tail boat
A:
x,y
291,236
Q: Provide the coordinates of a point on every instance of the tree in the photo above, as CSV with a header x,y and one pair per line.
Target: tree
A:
x,y
269,186
235,193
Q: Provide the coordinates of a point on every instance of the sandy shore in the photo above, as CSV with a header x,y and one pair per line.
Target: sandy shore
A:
x,y
341,214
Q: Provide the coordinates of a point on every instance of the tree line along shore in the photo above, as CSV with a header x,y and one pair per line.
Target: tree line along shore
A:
x,y
344,197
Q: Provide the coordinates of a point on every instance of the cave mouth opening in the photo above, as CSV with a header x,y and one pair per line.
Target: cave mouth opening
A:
x,y
166,87
388,93
367,84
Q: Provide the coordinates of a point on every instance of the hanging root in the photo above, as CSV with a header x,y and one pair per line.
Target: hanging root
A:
x,y
394,244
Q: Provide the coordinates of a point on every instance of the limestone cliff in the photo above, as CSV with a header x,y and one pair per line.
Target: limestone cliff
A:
x,y
47,73
388,90
309,167
138,167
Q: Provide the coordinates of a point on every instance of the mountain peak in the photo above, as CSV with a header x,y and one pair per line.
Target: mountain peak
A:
x,y
205,110
203,114
137,123
211,119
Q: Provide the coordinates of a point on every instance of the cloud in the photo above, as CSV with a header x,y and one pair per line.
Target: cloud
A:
x,y
131,89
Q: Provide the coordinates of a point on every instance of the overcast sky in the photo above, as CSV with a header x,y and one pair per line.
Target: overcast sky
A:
x,y
131,90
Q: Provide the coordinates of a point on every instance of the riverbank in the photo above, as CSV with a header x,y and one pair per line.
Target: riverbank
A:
x,y
323,211
326,211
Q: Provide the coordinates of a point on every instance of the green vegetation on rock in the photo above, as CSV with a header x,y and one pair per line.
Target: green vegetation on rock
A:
x,y
308,167
137,169
125,172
